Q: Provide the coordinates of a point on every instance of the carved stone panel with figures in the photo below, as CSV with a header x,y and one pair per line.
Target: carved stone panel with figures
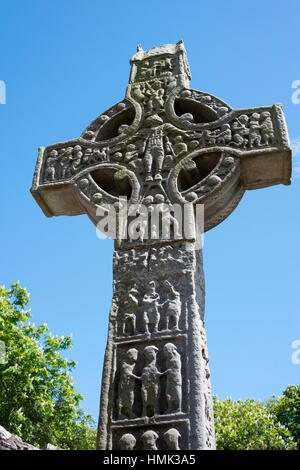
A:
x,y
163,436
150,378
155,375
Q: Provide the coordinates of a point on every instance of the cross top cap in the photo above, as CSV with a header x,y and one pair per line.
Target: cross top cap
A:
x,y
164,61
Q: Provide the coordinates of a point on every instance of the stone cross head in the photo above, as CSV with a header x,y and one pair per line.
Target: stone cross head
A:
x,y
164,144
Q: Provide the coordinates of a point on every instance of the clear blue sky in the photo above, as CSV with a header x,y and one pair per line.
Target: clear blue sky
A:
x,y
64,62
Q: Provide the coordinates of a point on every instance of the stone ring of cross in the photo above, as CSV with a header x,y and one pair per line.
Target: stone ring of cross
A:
x,y
165,138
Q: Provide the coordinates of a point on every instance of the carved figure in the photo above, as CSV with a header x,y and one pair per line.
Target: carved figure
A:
x,y
127,442
167,219
130,154
225,135
50,171
267,129
171,438
154,93
87,156
117,156
143,220
209,137
173,306
150,382
123,129
149,439
254,130
76,161
151,315
130,306
100,154
174,378
171,83
145,70
222,110
138,228
180,147
169,149
156,144
240,131
64,158
187,118
127,384
154,150
138,92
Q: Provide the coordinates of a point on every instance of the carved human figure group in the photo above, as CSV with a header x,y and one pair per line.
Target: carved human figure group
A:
x,y
150,382
158,145
148,440
150,308
246,131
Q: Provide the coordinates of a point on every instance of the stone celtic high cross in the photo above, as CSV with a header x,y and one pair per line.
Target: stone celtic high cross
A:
x,y
163,145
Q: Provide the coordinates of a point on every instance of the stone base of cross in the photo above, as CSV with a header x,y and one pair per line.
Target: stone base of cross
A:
x,y
143,171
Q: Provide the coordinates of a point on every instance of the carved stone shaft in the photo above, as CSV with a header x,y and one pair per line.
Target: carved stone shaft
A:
x,y
170,364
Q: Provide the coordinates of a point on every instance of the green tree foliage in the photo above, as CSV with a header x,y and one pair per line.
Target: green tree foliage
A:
x,y
38,401
287,410
249,425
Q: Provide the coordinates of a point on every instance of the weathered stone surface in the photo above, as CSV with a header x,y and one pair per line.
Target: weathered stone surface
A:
x,y
50,447
10,441
164,147
185,141
156,379
4,434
